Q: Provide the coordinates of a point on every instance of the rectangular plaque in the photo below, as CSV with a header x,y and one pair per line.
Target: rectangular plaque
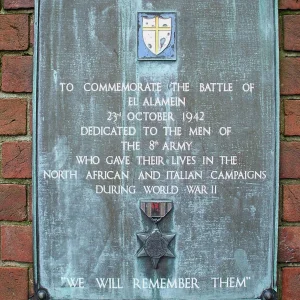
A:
x,y
155,149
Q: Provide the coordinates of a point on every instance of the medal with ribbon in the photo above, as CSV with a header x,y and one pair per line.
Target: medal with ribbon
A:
x,y
155,243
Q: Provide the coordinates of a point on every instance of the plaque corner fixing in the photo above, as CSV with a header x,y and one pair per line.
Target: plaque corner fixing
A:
x,y
268,294
40,294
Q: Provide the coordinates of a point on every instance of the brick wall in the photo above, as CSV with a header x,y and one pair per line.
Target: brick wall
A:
x,y
16,48
289,218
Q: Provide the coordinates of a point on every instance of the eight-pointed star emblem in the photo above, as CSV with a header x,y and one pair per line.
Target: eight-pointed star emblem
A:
x,y
155,245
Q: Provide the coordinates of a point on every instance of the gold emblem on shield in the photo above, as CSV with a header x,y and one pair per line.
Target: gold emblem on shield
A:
x,y
157,33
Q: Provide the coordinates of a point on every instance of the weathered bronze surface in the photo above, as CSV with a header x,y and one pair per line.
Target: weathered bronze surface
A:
x,y
193,124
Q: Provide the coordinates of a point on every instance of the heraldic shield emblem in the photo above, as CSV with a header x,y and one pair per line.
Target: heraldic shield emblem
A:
x,y
156,36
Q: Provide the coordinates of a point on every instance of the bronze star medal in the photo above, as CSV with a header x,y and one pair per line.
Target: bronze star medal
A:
x,y
155,243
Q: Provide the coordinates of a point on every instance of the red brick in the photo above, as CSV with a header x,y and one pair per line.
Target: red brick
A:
x,y
16,160
16,243
14,32
17,74
290,283
290,160
13,283
291,203
292,32
280,37
30,117
31,283
29,203
12,202
15,4
292,117
13,116
32,34
290,75
289,244
289,4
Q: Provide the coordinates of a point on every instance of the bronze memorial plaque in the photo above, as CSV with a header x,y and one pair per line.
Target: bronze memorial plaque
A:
x,y
155,149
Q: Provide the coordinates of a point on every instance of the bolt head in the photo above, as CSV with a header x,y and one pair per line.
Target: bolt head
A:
x,y
42,294
268,295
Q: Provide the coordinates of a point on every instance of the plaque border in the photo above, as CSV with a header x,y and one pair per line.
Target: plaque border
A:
x,y
36,275
35,222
